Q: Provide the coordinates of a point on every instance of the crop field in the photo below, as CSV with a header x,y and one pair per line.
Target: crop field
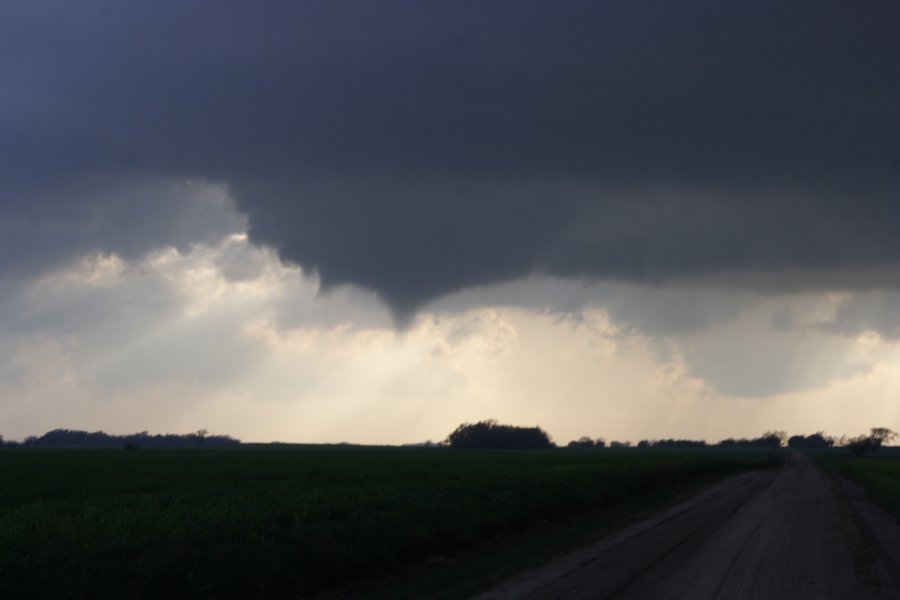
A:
x,y
879,475
297,521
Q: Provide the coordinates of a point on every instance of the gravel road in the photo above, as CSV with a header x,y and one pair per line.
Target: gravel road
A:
x,y
791,533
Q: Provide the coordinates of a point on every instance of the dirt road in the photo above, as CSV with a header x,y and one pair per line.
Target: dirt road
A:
x,y
792,533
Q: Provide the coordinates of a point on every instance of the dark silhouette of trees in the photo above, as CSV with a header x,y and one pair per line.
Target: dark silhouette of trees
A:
x,y
860,446
864,444
773,439
881,436
68,438
815,440
586,442
492,435
770,439
671,443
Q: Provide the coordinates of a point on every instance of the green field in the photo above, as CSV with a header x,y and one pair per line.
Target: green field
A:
x,y
297,521
879,474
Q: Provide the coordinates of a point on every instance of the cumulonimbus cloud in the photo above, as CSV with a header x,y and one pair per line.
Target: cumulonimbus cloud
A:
x,y
417,150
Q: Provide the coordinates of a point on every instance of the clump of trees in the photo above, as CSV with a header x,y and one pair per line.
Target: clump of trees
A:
x,y
587,442
770,439
815,440
492,435
864,444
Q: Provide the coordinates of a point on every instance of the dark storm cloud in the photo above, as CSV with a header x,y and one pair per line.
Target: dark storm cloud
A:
x,y
47,226
415,149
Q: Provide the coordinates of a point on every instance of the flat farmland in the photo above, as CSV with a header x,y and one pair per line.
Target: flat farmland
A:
x,y
302,521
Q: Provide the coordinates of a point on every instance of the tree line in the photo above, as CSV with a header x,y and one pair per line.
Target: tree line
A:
x,y
71,438
486,435
490,434
770,439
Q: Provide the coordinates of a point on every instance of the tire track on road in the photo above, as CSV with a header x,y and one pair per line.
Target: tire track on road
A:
x,y
781,534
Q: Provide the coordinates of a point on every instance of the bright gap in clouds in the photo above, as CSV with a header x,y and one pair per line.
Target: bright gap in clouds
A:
x,y
223,336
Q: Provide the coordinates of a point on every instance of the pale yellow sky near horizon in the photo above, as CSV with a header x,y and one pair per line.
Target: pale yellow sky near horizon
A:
x,y
171,343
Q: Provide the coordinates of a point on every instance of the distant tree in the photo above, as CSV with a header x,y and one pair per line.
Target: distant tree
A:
x,y
864,444
645,444
200,435
881,436
815,440
600,443
492,435
860,446
617,444
773,439
582,442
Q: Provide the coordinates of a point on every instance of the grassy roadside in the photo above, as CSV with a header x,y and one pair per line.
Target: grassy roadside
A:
x,y
289,522
490,564
879,475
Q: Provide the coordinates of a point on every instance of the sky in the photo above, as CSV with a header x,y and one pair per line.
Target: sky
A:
x,y
370,222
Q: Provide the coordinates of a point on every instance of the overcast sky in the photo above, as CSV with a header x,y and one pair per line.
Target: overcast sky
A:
x,y
372,221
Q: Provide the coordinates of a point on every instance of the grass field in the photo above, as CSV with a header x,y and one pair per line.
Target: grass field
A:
x,y
879,474
296,521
